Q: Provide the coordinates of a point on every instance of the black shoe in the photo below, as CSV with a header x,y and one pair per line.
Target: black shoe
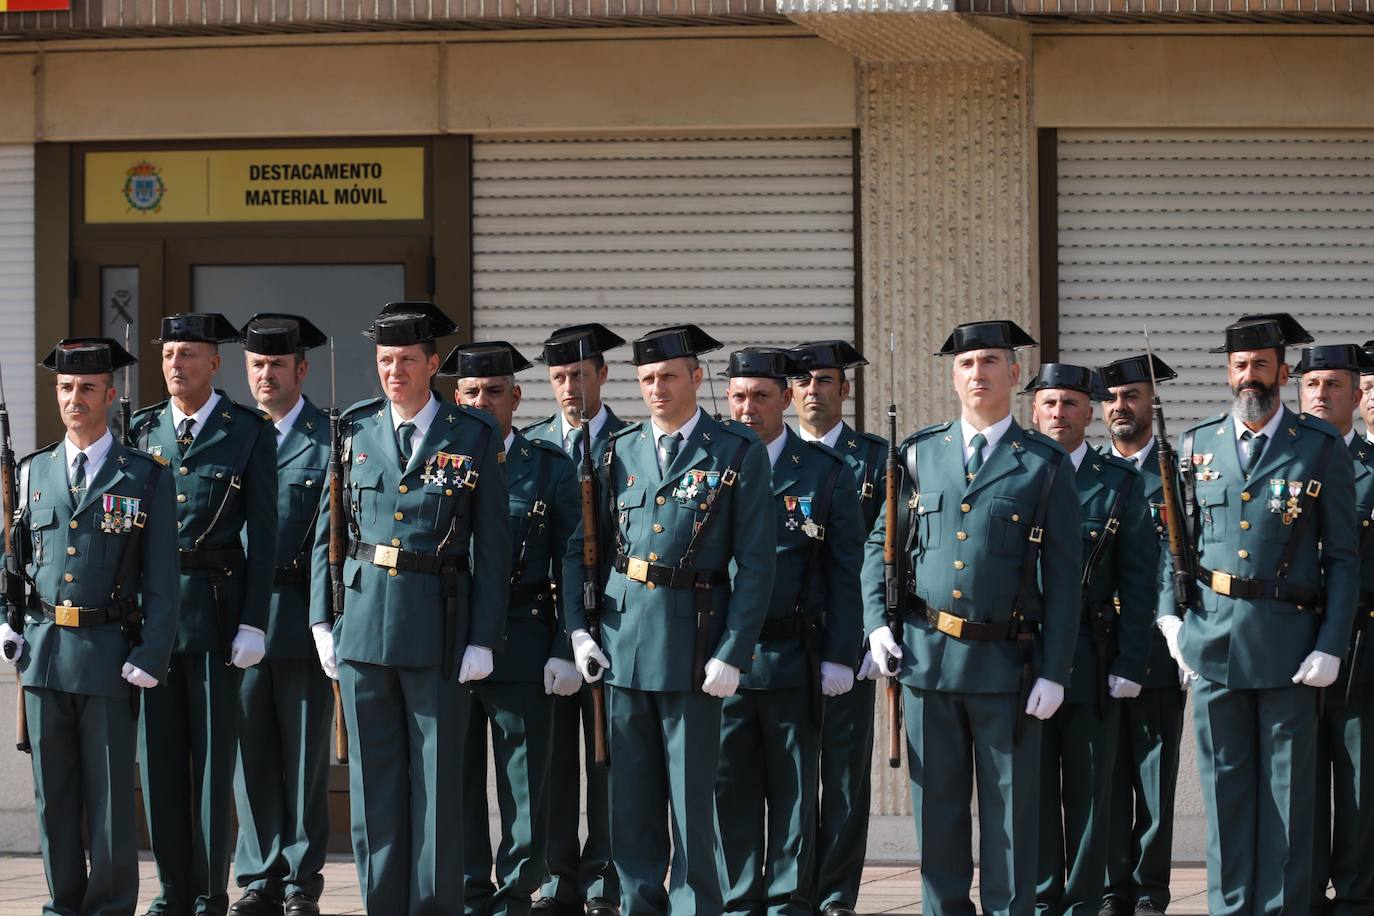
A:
x,y
1115,906
1146,908
256,903
838,909
600,906
548,906
298,904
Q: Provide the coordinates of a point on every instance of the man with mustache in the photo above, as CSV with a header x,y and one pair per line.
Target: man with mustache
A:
x,y
1140,836
1269,505
1367,395
281,787
224,462
95,538
1329,388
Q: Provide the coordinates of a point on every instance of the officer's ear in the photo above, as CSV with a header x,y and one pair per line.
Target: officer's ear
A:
x,y
1015,368
516,394
697,376
1283,374
786,394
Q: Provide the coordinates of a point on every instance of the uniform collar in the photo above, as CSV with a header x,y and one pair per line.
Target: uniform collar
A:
x,y
685,431
1350,436
95,455
285,423
776,446
199,417
509,440
831,438
993,433
1138,459
1269,431
1076,456
421,421
593,425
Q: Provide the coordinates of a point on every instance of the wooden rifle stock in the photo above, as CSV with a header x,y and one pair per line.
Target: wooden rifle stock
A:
x,y
893,585
591,586
336,560
1174,520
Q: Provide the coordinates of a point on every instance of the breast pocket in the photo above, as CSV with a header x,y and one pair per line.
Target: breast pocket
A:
x,y
1213,509
303,486
365,492
212,482
930,518
1008,525
524,526
630,513
42,535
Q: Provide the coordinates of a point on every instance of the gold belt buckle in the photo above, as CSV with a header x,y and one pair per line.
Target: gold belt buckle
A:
x,y
383,555
637,570
1221,583
948,623
68,616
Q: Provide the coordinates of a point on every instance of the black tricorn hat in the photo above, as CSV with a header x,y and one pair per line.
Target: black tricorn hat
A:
x,y
87,356
578,342
198,327
828,354
401,324
280,334
1263,332
1074,378
1368,347
1133,370
986,335
763,362
671,343
1335,356
483,360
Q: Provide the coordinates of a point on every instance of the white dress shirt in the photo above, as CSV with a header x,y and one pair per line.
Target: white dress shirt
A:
x,y
1270,430
831,438
685,430
197,419
285,423
1076,456
95,456
776,446
593,425
1138,459
993,434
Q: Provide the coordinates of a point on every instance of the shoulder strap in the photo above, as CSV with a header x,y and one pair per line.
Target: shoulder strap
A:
x,y
1030,565
235,490
541,479
909,537
820,512
1108,532
713,502
1307,508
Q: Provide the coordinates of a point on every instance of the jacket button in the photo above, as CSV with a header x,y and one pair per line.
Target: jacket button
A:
x,y
71,551
183,470
653,557
391,572
962,535
965,507
309,482
650,586
71,524
399,516
1243,554
404,489
1093,535
181,497
660,500
68,577
658,529
1245,496
958,564
1244,526
448,492
956,594
1015,517
395,542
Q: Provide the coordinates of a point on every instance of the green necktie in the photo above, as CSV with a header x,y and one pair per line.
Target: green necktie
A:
x,y
1255,445
79,474
668,446
975,458
575,443
184,437
403,434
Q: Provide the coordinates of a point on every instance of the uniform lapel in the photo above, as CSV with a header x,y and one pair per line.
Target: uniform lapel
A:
x,y
110,474
1279,451
520,460
1005,458
218,425
948,473
1217,451
691,451
1089,477
435,436
1362,452
297,438
787,471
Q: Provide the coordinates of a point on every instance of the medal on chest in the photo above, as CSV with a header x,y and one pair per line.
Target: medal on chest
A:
x,y
118,513
791,521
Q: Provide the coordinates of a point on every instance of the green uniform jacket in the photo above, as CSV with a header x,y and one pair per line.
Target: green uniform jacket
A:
x,y
550,430
547,523
202,478
832,588
73,540
1362,452
1126,570
1258,644
302,469
984,526
399,620
866,455
649,634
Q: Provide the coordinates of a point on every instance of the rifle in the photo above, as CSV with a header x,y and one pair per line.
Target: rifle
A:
x,y
126,437
1176,483
891,578
711,380
337,549
14,569
591,573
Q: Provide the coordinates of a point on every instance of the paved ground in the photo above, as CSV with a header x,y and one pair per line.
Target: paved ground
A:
x,y
886,889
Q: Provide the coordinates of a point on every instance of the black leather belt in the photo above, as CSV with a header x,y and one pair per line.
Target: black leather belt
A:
x,y
406,560
962,628
654,575
785,627
211,558
1253,589
290,575
65,615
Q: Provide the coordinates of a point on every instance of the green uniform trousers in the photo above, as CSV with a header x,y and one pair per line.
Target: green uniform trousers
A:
x,y
577,870
83,772
1257,756
187,747
281,785
1077,754
950,738
1345,766
664,748
405,758
766,801
846,787
1141,830
519,717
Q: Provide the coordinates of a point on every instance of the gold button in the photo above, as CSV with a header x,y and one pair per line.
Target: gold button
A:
x,y
958,564
181,497
448,492
72,523
399,516
956,594
1015,517
1245,496
183,470
1244,526
1365,523
962,535
391,572
653,557
395,542
309,482
702,507
67,578
660,500
71,551
658,529
1243,554
404,488
965,507
650,586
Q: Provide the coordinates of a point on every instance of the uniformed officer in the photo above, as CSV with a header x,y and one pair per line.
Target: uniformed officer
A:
x,y
847,729
578,871
281,786
689,589
1120,560
94,540
425,579
1367,394
985,649
1269,619
1329,389
771,729
515,704
224,460
1140,833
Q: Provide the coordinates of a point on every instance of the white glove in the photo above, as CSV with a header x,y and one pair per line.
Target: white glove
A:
x,y
586,651
1318,670
476,665
561,677
1122,689
722,679
1169,625
867,670
137,676
250,645
324,648
836,680
887,655
1045,698
1184,679
11,644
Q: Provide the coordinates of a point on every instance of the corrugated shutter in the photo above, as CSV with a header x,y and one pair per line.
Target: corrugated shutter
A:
x,y
750,237
1186,231
16,290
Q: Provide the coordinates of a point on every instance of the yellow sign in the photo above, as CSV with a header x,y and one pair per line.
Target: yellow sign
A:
x,y
255,185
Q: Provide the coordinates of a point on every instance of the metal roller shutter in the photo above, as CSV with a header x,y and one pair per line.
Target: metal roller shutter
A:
x,y
1188,230
750,237
16,290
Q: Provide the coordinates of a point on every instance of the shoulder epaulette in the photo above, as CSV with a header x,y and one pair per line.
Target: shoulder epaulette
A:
x,y
537,424
254,412
1311,422
140,454
626,429
36,452
739,429
1033,438
476,414
825,450
932,428
362,407
144,413
1121,464
1210,421
548,446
